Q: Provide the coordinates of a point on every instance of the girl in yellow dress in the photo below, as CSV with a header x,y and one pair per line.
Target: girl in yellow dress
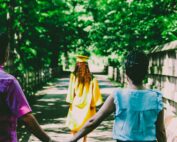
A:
x,y
83,96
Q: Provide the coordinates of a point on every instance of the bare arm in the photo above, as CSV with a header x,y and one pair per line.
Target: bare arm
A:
x,y
107,108
32,124
160,128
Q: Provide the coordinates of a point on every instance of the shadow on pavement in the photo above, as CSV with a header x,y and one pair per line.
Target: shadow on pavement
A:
x,y
51,110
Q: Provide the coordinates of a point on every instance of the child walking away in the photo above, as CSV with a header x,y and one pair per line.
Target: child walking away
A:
x,y
138,110
83,96
13,104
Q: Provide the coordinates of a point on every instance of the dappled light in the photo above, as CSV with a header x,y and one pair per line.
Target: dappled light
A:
x,y
51,111
45,37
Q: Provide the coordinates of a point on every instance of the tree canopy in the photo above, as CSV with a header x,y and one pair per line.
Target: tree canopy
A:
x,y
43,31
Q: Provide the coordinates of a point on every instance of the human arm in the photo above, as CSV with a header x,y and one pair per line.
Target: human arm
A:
x,y
34,127
19,107
107,108
160,128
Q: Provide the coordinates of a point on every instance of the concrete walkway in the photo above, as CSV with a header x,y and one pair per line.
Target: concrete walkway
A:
x,y
51,111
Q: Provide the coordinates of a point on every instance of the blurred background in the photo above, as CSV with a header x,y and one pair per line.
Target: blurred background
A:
x,y
46,35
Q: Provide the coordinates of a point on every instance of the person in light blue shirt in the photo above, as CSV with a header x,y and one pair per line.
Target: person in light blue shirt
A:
x,y
139,114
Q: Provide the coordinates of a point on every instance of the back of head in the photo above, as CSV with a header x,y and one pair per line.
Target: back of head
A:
x,y
136,66
3,47
82,71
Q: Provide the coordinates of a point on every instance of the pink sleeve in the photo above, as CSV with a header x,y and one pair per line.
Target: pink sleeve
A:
x,y
16,100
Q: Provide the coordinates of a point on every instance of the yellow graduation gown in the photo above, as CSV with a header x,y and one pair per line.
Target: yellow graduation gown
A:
x,y
83,100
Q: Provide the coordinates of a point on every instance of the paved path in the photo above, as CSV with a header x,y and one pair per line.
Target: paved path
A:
x,y
51,110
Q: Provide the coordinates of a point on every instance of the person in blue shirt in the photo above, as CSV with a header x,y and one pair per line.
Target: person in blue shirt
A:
x,y
139,114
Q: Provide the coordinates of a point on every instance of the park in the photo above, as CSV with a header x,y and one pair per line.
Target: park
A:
x,y
45,36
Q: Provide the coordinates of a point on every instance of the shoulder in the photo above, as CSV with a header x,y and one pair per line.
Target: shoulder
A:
x,y
7,81
6,77
117,96
117,93
120,91
157,92
14,84
158,99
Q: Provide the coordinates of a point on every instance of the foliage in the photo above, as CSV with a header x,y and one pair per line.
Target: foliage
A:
x,y
43,31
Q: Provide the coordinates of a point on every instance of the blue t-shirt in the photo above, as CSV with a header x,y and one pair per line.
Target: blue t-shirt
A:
x,y
136,114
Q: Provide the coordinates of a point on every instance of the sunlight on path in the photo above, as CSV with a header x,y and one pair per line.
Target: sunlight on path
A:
x,y
51,111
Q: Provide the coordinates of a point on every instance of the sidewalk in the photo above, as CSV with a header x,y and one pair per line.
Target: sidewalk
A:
x,y
51,111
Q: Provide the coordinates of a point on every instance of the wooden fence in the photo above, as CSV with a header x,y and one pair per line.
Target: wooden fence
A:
x,y
31,81
116,74
162,76
163,70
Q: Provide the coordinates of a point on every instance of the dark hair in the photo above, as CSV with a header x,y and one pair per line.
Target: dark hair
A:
x,y
136,66
3,47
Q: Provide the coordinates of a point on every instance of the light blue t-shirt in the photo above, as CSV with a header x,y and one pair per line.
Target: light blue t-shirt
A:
x,y
136,114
